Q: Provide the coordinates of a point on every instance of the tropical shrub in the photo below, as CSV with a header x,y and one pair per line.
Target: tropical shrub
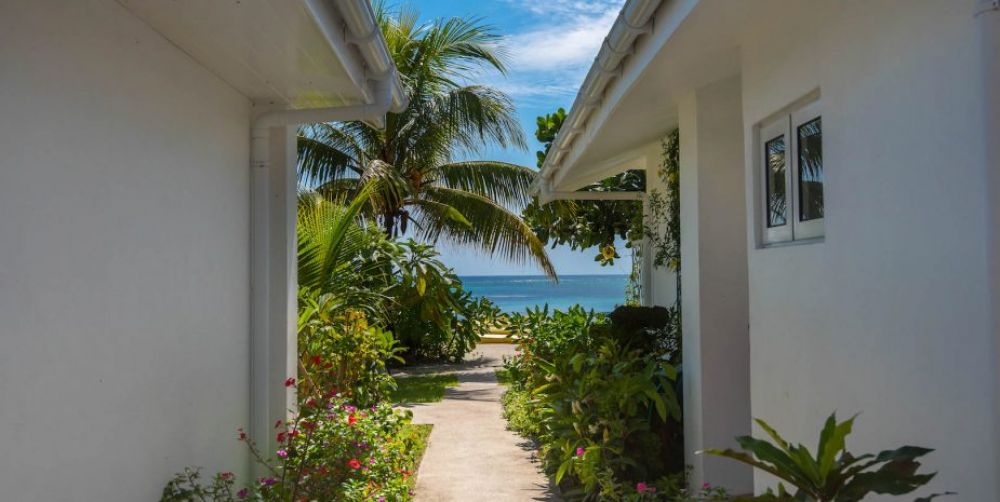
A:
x,y
604,408
340,352
430,312
331,451
833,474
401,286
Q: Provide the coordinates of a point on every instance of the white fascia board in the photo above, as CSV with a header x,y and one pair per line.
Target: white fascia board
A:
x,y
586,118
646,157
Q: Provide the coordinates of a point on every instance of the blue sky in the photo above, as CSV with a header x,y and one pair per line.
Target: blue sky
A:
x,y
551,45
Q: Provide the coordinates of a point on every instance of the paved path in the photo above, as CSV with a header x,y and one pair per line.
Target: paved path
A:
x,y
471,456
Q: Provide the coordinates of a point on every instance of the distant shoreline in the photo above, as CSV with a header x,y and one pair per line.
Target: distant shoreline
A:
x,y
515,293
481,276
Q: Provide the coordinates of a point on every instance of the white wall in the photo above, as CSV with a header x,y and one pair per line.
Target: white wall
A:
x,y
123,257
890,315
714,283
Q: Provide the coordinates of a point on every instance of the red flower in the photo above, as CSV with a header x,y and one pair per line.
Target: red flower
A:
x,y
290,382
277,424
351,419
243,435
354,464
307,425
311,402
281,437
317,360
226,476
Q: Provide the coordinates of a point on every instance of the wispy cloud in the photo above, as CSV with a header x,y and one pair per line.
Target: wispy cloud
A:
x,y
551,57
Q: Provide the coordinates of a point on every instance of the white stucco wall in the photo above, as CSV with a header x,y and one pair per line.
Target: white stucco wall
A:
x,y
890,315
714,283
123,257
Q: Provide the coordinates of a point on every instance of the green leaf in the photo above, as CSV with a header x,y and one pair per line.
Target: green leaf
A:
x,y
563,468
832,440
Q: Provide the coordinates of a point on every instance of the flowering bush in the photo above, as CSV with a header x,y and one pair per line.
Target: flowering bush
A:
x,y
340,351
331,451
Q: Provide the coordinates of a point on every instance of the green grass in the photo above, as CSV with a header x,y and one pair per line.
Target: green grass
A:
x,y
503,376
423,388
415,436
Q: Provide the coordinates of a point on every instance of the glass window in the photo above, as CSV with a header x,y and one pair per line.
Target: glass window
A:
x,y
777,199
810,146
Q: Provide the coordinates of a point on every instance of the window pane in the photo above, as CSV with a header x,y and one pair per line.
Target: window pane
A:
x,y
811,170
774,157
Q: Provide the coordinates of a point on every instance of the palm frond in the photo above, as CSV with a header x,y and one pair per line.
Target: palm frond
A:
x,y
328,237
507,184
325,153
493,228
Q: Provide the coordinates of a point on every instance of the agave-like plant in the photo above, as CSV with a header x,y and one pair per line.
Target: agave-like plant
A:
x,y
425,189
833,474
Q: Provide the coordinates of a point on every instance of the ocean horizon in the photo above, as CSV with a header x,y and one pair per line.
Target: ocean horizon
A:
x,y
516,293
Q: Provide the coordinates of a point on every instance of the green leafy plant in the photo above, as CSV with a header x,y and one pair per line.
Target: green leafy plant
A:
x,y
429,311
603,406
833,474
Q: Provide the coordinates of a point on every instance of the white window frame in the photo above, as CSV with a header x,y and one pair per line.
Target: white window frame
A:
x,y
785,125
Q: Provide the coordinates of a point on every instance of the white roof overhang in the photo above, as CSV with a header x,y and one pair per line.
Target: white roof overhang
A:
x,y
287,54
619,125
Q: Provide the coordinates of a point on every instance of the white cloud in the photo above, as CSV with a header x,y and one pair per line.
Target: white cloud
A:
x,y
551,58
547,7
570,37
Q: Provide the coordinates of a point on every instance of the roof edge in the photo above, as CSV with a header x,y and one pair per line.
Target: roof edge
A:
x,y
352,31
634,19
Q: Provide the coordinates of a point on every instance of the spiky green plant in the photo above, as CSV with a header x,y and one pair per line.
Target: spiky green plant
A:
x,y
833,474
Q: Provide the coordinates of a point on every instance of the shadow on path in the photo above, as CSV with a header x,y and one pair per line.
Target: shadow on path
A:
x,y
471,455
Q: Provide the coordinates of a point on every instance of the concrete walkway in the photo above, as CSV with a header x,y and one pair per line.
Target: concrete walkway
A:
x,y
471,455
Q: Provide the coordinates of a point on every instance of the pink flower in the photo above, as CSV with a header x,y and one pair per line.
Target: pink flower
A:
x,y
243,493
641,487
354,464
705,486
282,453
268,481
226,476
580,451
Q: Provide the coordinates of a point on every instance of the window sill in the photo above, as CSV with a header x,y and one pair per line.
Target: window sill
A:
x,y
785,244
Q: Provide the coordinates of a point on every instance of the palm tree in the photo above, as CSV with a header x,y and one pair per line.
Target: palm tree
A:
x,y
421,188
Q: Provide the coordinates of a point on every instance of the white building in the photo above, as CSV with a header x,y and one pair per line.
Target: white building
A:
x,y
147,182
840,212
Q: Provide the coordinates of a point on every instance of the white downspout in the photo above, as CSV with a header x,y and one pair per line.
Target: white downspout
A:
x,y
988,19
263,381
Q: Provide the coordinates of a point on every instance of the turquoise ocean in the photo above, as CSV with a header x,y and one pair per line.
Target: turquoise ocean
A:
x,y
515,293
